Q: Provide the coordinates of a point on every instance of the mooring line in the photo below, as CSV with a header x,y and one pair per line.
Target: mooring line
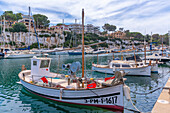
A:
x,y
147,92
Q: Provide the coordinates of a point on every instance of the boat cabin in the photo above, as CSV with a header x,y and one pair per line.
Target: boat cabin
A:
x,y
40,66
124,64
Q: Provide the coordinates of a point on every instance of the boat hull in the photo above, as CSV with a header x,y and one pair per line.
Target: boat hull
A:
x,y
109,97
76,53
61,53
20,56
142,71
154,68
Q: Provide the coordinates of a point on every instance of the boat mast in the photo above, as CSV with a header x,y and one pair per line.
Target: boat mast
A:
x,y
169,38
4,32
162,46
32,18
1,30
29,27
82,44
145,49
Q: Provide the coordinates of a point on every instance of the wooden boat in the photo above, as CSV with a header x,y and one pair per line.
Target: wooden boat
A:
x,y
106,93
130,68
154,64
20,54
156,56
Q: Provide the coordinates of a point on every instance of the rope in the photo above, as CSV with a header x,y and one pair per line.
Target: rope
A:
x,y
132,110
147,92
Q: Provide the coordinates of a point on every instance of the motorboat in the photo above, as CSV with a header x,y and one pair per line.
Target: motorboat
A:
x,y
20,54
154,64
60,51
156,56
130,68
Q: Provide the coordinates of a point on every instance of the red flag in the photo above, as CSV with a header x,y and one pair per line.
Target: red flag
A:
x,y
44,80
92,85
108,78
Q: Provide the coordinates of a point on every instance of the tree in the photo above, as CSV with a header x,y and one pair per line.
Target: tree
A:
x,y
18,16
59,24
121,29
108,27
9,16
19,27
41,21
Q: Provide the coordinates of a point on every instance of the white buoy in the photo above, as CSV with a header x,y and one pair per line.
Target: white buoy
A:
x,y
126,90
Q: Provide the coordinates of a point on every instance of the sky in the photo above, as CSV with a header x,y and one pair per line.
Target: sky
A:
x,y
143,16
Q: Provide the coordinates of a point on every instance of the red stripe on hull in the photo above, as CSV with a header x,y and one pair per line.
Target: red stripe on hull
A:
x,y
110,107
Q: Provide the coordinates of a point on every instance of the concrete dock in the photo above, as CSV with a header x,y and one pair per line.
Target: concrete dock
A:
x,y
162,105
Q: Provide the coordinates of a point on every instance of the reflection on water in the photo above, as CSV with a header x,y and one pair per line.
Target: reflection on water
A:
x,y
15,99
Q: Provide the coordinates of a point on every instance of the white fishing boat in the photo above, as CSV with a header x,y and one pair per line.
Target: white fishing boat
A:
x,y
154,64
20,54
106,93
156,56
130,68
60,51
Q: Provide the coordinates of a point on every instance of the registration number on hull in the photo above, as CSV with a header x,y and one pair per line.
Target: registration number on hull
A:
x,y
104,100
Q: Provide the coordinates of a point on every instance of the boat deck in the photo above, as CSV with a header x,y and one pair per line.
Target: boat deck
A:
x,y
162,105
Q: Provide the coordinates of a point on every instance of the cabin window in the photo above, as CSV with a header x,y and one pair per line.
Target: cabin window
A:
x,y
124,65
44,63
116,65
34,63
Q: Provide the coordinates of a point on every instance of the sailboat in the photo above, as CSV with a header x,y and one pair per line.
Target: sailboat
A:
x,y
104,93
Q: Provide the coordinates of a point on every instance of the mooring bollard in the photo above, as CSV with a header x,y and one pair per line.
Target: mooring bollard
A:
x,y
23,67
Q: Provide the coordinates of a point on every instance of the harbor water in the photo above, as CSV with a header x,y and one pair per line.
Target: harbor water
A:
x,y
15,99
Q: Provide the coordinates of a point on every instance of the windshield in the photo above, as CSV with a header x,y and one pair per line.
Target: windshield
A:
x,y
44,63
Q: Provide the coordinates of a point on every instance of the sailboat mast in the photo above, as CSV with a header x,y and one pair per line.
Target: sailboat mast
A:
x,y
1,30
82,43
4,35
29,25
162,46
145,49
169,38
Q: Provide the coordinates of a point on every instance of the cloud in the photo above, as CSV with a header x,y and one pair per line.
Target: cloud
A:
x,y
135,15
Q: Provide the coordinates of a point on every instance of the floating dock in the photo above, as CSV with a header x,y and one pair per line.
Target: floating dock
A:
x,y
162,105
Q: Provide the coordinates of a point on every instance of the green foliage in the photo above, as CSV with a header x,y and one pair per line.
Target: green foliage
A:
x,y
19,27
104,45
108,27
46,35
18,16
22,43
41,35
53,35
9,16
53,46
12,43
59,24
34,45
41,21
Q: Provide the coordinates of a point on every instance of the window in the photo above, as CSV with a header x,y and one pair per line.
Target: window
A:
x,y
116,65
125,65
44,63
34,63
